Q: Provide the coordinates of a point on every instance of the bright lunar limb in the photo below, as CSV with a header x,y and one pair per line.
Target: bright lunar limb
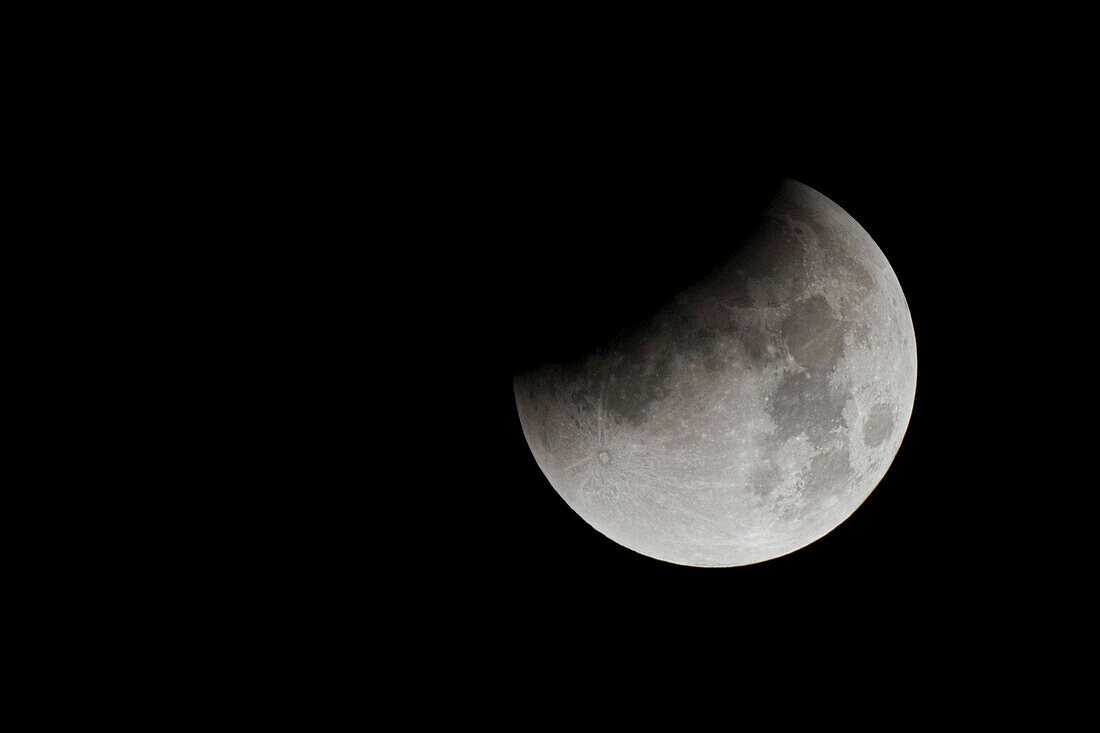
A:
x,y
751,415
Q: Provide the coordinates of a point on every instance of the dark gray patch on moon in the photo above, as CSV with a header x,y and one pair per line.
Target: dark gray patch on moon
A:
x,y
878,426
814,335
828,469
719,432
756,343
808,403
850,269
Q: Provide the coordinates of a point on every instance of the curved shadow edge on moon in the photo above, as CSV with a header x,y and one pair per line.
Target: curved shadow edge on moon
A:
x,y
751,415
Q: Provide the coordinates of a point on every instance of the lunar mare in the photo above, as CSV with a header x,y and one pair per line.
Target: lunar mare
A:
x,y
750,416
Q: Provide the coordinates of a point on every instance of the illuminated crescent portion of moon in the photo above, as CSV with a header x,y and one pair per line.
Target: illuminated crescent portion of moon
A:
x,y
750,416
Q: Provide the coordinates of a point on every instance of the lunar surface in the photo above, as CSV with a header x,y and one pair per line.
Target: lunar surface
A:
x,y
752,414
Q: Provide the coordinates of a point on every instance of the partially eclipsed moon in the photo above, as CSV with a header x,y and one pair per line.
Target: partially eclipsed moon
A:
x,y
750,416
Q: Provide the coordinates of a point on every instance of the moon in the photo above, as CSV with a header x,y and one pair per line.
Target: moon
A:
x,y
751,414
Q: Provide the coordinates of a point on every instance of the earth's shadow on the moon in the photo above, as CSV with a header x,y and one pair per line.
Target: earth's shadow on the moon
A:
x,y
607,255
